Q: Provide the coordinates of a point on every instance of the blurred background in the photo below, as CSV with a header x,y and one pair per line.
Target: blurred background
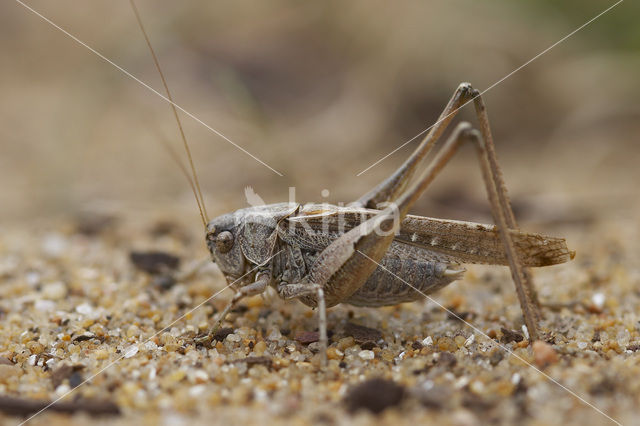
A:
x,y
319,91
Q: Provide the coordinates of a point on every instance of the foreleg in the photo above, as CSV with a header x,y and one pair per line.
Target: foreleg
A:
x,y
258,287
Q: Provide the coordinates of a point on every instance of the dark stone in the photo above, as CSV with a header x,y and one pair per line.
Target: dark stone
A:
x,y
605,386
458,316
75,379
368,346
476,402
94,224
306,337
24,407
361,333
509,336
240,309
496,356
63,372
83,337
222,334
446,359
154,262
164,282
374,395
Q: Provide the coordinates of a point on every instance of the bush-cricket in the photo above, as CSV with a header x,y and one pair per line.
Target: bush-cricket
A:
x,y
372,252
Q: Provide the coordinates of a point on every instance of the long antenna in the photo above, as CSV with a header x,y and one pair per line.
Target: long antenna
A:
x,y
196,191
186,174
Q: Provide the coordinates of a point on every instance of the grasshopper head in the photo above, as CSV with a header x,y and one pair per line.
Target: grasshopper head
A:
x,y
223,241
246,238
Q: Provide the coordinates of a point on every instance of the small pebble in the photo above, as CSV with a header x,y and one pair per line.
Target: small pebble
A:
x,y
133,330
447,344
101,354
32,278
334,353
544,354
515,379
84,309
32,359
44,305
55,290
200,376
197,390
598,300
306,337
361,333
62,390
150,345
131,351
374,395
234,338
368,355
35,347
274,335
510,336
54,245
222,334
477,387
154,262
525,331
345,343
260,347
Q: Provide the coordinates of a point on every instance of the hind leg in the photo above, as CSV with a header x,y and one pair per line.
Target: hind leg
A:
x,y
465,133
394,185
501,190
389,189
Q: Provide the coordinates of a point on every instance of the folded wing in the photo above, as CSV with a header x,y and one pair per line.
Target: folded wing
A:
x,y
477,243
428,238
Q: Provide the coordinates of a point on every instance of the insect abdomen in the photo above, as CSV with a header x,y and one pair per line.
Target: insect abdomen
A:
x,y
399,281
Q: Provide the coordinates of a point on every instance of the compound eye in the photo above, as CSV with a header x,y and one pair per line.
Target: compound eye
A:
x,y
224,241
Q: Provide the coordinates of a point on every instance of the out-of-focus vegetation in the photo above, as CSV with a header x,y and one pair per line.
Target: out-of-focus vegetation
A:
x,y
619,31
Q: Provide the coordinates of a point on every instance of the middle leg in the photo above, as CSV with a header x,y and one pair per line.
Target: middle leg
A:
x,y
292,291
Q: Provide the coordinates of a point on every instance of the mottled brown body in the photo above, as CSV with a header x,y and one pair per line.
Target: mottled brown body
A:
x,y
426,253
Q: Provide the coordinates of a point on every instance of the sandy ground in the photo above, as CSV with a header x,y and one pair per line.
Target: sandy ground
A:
x,y
74,308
